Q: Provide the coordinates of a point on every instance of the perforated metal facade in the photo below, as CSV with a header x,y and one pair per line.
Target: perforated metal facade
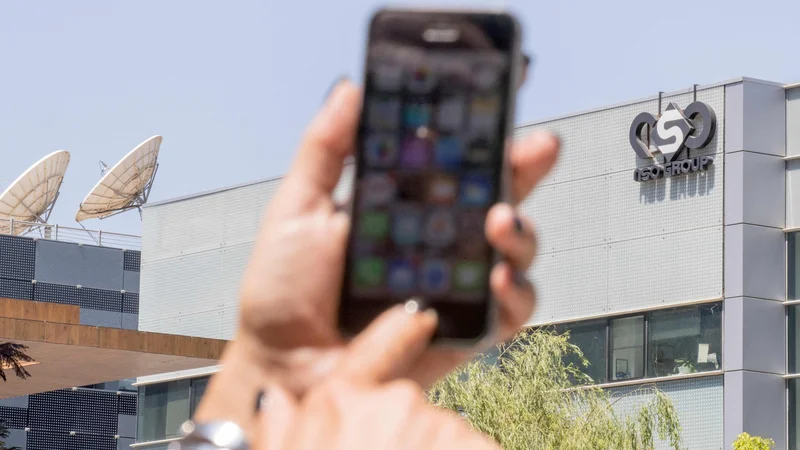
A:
x,y
95,417
609,244
699,405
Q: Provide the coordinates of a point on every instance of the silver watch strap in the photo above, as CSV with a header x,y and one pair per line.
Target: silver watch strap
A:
x,y
210,436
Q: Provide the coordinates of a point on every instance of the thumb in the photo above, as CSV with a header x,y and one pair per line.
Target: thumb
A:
x,y
277,415
390,345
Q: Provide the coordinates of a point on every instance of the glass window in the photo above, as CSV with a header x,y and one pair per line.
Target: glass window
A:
x,y
162,409
590,337
684,340
793,338
627,348
793,260
794,420
198,389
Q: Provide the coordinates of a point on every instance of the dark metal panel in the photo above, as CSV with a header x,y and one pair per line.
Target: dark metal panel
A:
x,y
130,303
133,260
17,257
18,289
14,417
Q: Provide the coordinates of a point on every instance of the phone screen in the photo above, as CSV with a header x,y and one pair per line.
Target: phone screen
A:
x,y
430,162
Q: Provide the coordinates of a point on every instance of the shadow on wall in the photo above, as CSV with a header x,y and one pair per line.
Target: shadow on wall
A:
x,y
680,187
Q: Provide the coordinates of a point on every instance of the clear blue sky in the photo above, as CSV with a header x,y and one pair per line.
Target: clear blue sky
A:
x,y
230,85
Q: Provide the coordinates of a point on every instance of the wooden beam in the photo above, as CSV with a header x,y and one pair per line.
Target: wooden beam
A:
x,y
42,311
110,338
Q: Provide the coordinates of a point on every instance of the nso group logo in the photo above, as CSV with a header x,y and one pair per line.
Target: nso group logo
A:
x,y
671,136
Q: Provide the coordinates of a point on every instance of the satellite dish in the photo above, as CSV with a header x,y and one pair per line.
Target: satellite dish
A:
x,y
125,186
30,198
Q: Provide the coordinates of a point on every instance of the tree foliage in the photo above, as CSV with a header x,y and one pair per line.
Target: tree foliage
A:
x,y
530,399
746,442
12,356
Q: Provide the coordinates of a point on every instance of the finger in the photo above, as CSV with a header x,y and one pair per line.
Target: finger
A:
x,y
531,158
327,142
277,415
511,235
515,297
515,301
454,432
389,346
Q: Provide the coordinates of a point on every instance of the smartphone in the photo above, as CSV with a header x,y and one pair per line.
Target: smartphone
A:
x,y
430,161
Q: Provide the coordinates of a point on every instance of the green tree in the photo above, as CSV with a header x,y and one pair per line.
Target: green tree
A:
x,y
530,399
4,435
12,356
746,442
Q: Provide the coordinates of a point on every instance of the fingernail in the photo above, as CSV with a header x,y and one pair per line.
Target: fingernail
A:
x,y
519,279
261,399
334,85
518,225
412,306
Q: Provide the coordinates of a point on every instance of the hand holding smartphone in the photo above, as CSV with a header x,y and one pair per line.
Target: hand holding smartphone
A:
x,y
430,162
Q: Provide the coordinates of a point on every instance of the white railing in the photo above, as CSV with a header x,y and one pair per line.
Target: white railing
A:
x,y
70,234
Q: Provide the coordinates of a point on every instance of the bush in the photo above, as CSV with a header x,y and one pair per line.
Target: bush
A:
x,y
746,442
528,400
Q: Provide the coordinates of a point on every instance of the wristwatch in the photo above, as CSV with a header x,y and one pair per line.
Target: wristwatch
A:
x,y
210,436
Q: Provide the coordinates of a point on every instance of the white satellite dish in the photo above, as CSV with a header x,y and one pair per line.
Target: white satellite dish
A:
x,y
30,198
125,186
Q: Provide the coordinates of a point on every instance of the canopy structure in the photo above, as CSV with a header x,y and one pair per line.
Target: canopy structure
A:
x,y
67,354
126,186
30,198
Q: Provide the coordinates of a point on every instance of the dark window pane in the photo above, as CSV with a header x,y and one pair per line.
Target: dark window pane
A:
x,y
684,340
198,389
794,419
792,336
590,337
163,408
793,260
627,348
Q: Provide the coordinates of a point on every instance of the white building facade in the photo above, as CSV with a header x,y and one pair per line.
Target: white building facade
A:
x,y
679,280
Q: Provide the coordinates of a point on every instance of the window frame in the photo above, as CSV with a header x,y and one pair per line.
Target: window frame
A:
x,y
610,351
647,317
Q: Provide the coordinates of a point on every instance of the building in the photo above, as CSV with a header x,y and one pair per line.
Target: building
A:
x,y
73,299
675,269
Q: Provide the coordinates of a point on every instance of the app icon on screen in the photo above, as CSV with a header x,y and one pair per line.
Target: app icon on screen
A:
x,y
383,113
373,225
421,80
369,272
381,151
470,276
440,228
387,76
411,187
486,77
450,113
484,115
416,152
475,190
401,278
449,152
417,115
377,189
471,234
442,190
479,152
435,276
406,226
